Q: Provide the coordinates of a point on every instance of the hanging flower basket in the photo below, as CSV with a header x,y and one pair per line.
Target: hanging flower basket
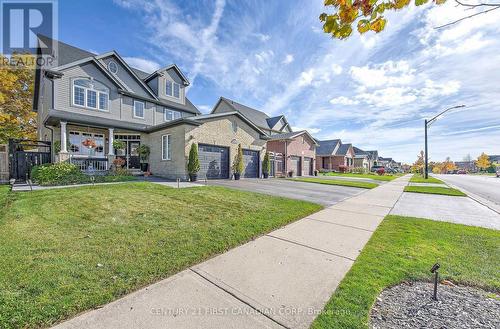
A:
x,y
89,143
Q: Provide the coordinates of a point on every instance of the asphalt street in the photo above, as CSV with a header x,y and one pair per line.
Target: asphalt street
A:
x,y
487,187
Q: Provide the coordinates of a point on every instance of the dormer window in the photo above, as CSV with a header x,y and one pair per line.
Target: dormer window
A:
x,y
90,94
172,89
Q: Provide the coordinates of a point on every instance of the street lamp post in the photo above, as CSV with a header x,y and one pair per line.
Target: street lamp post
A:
x,y
427,125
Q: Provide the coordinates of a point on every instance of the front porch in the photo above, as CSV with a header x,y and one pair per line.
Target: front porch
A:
x,y
93,149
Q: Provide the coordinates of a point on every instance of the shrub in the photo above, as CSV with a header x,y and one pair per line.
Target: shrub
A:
x,y
238,161
118,144
380,171
266,164
61,173
193,161
144,152
342,169
358,170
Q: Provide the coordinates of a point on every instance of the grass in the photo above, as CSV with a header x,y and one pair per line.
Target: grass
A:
x,y
53,240
404,249
420,179
339,182
434,190
384,178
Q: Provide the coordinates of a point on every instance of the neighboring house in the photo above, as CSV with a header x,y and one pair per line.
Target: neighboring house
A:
x,y
334,155
362,159
100,98
289,151
468,166
494,159
299,150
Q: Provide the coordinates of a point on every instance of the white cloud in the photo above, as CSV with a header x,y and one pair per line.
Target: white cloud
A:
x,y
204,108
143,64
343,101
310,130
385,74
288,59
263,37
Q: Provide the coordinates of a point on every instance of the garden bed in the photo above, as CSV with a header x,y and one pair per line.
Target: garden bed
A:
x,y
409,305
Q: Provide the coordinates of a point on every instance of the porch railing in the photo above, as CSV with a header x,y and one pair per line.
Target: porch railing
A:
x,y
90,165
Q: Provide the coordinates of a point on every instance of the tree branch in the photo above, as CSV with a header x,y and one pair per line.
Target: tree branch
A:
x,y
471,6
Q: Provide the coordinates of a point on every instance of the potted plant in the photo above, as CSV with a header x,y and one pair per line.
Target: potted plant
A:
x,y
290,173
144,152
193,165
118,145
238,163
315,173
266,165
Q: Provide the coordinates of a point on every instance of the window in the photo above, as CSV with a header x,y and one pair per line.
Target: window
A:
x,y
91,98
138,109
172,89
76,138
113,67
172,115
177,89
166,143
90,94
168,90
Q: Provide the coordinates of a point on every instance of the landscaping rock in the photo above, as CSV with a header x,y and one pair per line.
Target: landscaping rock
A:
x,y
410,305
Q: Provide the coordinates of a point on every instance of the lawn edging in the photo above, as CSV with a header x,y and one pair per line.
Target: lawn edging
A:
x,y
434,190
417,178
382,178
348,183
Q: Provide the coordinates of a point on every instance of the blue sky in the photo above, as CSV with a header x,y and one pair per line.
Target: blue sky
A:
x,y
373,91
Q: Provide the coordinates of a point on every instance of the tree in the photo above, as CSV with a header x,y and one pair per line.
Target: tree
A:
x,y
483,161
368,15
238,161
448,165
418,166
193,160
266,164
16,95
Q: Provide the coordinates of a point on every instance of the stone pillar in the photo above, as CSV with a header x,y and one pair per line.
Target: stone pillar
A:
x,y
111,138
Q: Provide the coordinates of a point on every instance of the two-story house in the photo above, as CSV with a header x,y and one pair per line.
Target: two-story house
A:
x,y
90,100
291,153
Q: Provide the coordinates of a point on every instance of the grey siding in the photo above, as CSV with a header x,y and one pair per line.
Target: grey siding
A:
x,y
172,75
124,76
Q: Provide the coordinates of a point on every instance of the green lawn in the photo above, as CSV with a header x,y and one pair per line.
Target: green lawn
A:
x,y
384,178
420,179
64,251
434,190
404,249
359,184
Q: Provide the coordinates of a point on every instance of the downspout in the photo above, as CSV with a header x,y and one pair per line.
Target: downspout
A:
x,y
51,141
286,159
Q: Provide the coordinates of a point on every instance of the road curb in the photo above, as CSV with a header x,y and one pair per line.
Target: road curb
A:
x,y
488,204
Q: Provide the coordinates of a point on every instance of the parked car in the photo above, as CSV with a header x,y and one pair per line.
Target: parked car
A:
x,y
461,172
498,172
375,168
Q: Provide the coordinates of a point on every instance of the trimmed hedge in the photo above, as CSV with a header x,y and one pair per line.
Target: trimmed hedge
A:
x,y
64,173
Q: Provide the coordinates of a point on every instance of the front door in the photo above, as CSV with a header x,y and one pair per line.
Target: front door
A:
x,y
134,161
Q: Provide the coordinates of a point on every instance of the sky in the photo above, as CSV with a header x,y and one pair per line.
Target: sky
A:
x,y
373,90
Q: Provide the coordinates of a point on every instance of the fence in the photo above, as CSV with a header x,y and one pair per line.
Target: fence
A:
x,y
4,164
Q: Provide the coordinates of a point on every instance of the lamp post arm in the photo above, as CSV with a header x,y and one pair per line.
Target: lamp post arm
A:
x,y
430,121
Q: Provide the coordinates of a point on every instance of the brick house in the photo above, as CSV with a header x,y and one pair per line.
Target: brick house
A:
x,y
299,150
334,155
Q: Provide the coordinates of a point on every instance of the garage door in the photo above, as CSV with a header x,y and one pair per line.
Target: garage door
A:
x,y
251,164
308,166
295,166
214,161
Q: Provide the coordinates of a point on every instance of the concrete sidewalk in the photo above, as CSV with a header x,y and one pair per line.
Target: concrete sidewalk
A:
x,y
280,280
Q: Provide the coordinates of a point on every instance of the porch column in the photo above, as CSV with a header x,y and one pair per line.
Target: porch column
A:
x,y
63,138
111,150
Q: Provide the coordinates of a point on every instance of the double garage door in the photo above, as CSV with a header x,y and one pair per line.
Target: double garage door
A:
x,y
214,162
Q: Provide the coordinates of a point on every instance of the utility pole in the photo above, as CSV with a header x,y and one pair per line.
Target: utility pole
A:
x,y
426,169
427,125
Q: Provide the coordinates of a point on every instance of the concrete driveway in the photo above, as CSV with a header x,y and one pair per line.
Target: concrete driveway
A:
x,y
318,193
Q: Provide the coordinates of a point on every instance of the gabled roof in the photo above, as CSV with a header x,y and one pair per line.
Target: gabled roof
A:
x,y
327,147
292,135
359,151
224,114
343,149
274,120
166,68
259,118
67,53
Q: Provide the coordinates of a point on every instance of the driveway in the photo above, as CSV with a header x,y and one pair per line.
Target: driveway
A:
x,y
318,193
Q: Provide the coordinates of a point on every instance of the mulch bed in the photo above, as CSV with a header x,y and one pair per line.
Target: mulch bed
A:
x,y
409,305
